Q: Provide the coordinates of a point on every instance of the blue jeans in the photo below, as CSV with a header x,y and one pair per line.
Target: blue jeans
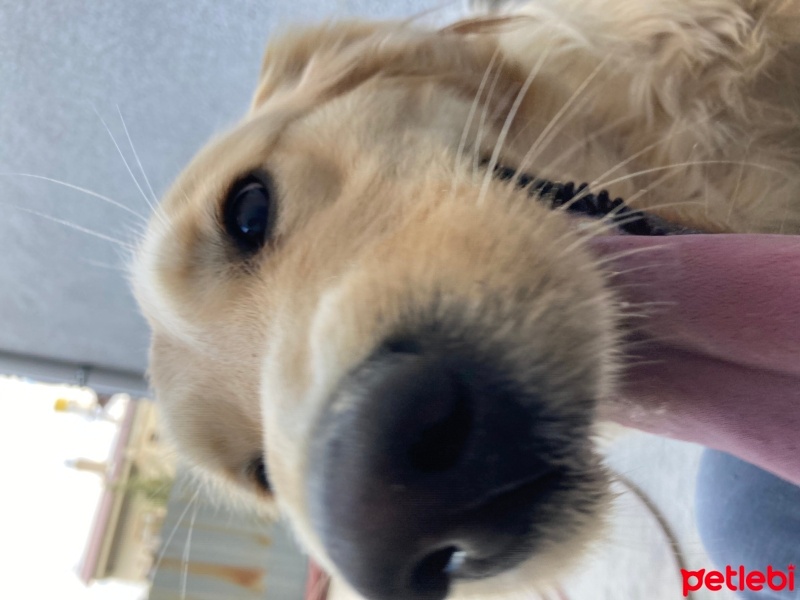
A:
x,y
748,517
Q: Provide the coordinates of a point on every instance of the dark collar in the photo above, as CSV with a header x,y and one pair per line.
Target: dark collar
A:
x,y
576,199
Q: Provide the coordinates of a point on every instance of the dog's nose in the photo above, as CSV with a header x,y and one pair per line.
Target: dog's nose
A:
x,y
425,470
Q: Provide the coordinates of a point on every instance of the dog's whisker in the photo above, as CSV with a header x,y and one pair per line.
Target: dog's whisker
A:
x,y
136,231
734,196
599,181
692,163
602,262
78,188
487,178
604,225
538,146
582,142
165,545
153,196
122,156
187,549
468,124
74,226
592,230
631,200
655,306
476,158
611,222
102,265
626,315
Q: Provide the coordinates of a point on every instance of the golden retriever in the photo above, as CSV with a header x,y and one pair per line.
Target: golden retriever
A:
x,y
373,301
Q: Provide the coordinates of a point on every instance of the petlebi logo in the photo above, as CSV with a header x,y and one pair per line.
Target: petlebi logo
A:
x,y
739,580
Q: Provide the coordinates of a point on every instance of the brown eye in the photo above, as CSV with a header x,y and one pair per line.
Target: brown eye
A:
x,y
249,212
257,471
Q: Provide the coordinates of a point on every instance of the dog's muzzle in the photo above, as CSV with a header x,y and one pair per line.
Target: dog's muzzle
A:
x,y
426,469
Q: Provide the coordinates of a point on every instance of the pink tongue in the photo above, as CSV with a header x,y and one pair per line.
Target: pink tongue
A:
x,y
717,359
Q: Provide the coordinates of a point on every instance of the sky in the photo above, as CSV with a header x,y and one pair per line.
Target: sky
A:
x,y
46,508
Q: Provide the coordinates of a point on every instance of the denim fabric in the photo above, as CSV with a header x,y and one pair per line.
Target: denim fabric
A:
x,y
747,516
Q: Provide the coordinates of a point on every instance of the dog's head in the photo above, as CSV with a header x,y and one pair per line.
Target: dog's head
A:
x,y
359,324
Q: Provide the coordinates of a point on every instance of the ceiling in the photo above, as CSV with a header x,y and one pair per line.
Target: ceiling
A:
x,y
70,72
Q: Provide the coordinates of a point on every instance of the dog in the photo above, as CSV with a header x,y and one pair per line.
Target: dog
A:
x,y
374,305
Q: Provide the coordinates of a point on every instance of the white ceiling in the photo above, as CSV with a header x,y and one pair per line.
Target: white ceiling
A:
x,y
177,71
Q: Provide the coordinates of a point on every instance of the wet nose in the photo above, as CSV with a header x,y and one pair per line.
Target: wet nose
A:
x,y
424,471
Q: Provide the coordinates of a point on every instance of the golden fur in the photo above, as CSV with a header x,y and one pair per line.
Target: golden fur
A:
x,y
373,133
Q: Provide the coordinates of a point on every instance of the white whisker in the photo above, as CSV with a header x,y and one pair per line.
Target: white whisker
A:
x,y
168,541
74,226
78,188
102,265
690,163
582,142
626,253
186,551
470,116
734,195
607,223
138,162
122,156
599,181
509,119
482,123
666,176
538,146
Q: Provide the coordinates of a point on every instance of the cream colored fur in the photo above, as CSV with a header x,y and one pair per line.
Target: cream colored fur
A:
x,y
373,134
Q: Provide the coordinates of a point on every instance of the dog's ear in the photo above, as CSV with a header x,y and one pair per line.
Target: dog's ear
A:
x,y
324,61
289,60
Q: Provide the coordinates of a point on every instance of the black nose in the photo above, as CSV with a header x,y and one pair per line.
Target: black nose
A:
x,y
426,470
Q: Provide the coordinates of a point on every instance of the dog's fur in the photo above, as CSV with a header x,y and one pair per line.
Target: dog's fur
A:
x,y
373,134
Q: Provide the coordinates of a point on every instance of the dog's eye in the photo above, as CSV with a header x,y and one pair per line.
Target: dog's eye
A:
x,y
248,213
257,471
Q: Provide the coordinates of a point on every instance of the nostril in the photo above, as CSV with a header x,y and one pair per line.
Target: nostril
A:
x,y
403,345
431,577
440,445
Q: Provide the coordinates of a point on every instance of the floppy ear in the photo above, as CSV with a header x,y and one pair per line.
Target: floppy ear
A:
x,y
287,59
330,59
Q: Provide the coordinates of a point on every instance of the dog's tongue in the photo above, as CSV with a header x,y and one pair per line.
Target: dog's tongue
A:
x,y
716,359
